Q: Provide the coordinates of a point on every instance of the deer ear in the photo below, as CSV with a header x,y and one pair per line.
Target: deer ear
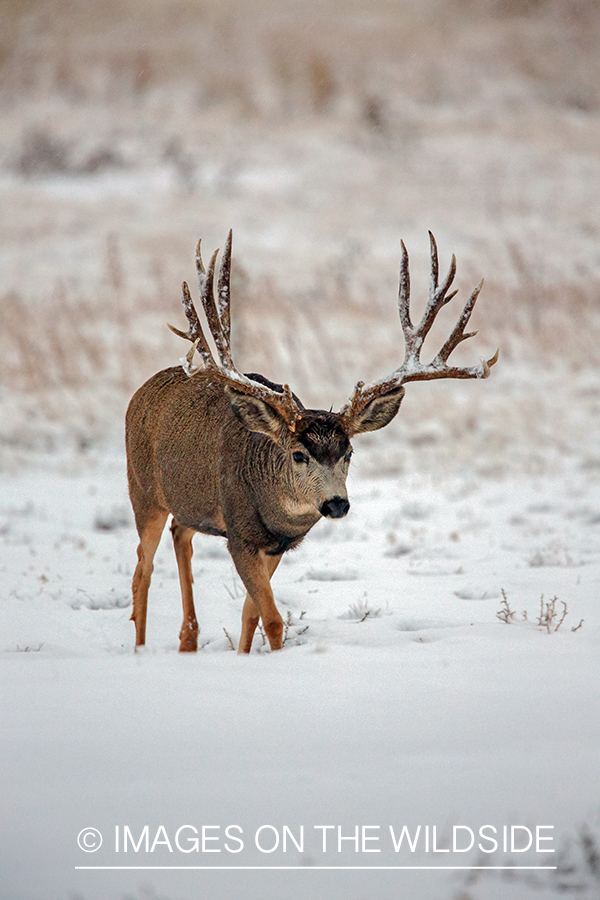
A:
x,y
378,413
256,415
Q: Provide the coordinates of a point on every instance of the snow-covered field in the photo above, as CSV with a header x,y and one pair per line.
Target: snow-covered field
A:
x,y
400,697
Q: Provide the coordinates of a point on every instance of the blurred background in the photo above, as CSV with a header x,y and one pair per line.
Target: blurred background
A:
x,y
322,133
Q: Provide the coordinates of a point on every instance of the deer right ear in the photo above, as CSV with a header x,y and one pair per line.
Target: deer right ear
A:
x,y
256,415
378,413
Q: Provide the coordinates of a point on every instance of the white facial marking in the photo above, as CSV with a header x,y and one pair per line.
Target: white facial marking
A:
x,y
297,507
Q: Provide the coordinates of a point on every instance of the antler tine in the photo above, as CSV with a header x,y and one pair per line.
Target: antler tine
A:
x,y
437,295
205,282
458,334
488,363
199,264
206,276
194,333
435,268
191,315
441,291
223,292
404,293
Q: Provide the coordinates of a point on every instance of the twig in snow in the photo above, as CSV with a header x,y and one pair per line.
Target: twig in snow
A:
x,y
30,649
286,627
547,613
562,618
505,613
228,636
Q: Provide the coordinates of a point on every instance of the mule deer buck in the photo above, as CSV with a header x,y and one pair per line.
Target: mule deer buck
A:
x,y
239,456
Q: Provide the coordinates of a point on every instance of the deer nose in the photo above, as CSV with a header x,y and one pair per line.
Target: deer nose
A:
x,y
336,508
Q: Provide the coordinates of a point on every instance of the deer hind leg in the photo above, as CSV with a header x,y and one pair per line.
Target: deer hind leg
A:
x,y
182,542
259,570
150,534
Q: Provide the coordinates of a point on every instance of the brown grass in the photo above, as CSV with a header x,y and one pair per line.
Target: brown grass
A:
x,y
73,363
273,58
228,86
327,336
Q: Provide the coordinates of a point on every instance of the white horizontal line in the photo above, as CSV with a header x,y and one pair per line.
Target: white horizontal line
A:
x,y
328,868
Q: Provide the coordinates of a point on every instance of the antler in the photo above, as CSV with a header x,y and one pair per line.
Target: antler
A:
x,y
218,317
412,369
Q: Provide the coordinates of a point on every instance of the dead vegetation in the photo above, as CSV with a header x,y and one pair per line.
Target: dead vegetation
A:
x,y
270,58
131,129
72,362
550,617
577,872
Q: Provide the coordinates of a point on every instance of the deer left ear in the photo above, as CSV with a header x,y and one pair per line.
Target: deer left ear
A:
x,y
257,415
376,414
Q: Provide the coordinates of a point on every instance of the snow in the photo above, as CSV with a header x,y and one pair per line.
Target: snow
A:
x,y
400,698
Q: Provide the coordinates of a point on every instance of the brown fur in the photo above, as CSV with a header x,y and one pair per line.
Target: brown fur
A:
x,y
222,464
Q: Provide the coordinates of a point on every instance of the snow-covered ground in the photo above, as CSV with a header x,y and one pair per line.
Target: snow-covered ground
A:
x,y
400,697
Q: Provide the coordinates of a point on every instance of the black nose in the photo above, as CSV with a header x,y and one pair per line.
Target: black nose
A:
x,y
336,508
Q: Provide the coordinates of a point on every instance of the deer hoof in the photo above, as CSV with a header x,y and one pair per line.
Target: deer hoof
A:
x,y
188,643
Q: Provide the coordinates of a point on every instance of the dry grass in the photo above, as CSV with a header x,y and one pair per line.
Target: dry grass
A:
x,y
271,57
327,336
73,363
478,118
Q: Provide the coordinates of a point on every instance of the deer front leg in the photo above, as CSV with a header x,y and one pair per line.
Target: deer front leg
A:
x,y
255,569
250,613
150,534
182,542
250,618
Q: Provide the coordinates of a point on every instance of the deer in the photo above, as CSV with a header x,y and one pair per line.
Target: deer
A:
x,y
238,456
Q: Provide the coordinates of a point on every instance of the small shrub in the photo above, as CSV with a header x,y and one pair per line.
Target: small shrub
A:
x,y
361,611
549,617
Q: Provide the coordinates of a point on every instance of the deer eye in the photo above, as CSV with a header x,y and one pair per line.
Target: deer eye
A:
x,y
299,457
